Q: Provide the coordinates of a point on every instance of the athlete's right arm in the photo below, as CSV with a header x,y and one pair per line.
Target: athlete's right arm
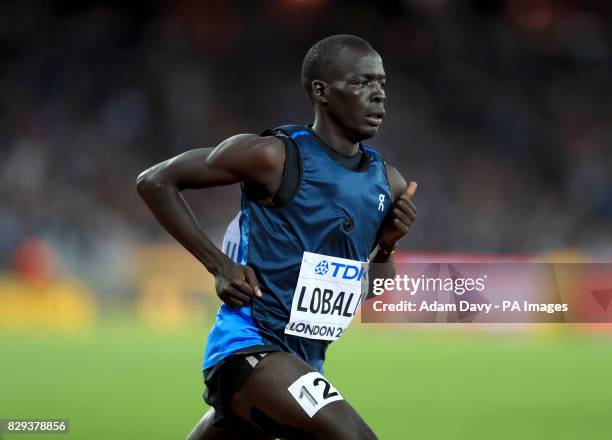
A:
x,y
245,158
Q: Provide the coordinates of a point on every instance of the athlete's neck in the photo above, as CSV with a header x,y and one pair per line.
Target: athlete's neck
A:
x,y
334,139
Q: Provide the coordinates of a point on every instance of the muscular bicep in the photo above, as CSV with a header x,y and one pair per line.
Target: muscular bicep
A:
x,y
241,158
192,170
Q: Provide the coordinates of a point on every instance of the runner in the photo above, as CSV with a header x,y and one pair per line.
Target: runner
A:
x,y
317,204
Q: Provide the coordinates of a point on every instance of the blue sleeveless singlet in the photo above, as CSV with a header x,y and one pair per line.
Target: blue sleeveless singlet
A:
x,y
335,212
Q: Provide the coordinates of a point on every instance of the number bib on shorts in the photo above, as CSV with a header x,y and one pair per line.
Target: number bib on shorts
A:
x,y
327,296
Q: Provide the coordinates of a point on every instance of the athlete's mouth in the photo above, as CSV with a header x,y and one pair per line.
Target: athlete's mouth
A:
x,y
375,119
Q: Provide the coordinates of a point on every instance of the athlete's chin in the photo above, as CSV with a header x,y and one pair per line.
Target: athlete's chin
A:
x,y
368,131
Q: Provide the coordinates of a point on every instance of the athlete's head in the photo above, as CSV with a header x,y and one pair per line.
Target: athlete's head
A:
x,y
344,78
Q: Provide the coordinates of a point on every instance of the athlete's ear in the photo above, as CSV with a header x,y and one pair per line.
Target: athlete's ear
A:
x,y
319,91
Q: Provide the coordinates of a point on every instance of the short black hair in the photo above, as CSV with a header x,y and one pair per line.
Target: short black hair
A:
x,y
321,56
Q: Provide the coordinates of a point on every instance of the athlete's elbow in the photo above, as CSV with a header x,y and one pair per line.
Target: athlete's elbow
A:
x,y
148,182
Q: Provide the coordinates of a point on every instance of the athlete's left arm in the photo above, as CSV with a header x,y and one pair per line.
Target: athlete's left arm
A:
x,y
397,224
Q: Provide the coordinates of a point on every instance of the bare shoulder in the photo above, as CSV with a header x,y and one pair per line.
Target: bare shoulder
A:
x,y
396,182
252,145
250,151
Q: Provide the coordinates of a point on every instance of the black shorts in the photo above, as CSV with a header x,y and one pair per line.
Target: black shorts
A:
x,y
228,376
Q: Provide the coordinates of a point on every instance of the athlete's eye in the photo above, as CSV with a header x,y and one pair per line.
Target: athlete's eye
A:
x,y
364,83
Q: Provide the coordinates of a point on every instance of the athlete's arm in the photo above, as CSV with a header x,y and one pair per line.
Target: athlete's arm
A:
x,y
395,226
402,213
247,158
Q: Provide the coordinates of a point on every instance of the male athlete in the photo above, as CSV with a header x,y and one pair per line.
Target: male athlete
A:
x,y
316,205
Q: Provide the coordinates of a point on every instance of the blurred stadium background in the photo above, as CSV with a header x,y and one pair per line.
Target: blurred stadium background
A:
x,y
499,109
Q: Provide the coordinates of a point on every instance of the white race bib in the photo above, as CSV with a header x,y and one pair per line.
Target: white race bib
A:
x,y
312,391
327,296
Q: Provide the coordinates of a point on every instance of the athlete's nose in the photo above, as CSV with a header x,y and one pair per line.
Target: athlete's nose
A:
x,y
378,95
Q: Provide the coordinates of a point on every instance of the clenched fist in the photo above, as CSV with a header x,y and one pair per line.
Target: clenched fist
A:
x,y
399,219
236,284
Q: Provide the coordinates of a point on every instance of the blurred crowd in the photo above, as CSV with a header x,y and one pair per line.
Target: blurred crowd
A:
x,y
499,109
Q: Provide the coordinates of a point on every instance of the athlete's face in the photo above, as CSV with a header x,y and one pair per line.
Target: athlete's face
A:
x,y
356,93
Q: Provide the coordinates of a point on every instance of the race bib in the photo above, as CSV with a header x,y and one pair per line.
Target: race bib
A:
x,y
312,392
327,296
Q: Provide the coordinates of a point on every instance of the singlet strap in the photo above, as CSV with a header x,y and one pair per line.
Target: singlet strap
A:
x,y
292,169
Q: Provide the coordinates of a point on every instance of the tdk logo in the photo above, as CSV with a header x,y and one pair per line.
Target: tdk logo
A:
x,y
344,271
322,268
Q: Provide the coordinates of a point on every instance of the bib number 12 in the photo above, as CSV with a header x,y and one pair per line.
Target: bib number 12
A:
x,y
312,391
